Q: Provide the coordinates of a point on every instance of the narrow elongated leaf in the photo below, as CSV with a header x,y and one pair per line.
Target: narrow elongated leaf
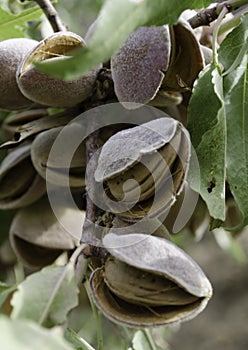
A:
x,y
220,137
78,342
5,290
141,342
237,141
235,45
14,26
117,19
27,335
233,54
34,294
203,107
206,123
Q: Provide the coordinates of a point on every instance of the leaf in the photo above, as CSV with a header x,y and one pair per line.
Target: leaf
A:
x,y
237,141
35,293
220,137
117,19
27,335
4,4
233,56
5,290
78,342
235,45
141,341
14,26
206,123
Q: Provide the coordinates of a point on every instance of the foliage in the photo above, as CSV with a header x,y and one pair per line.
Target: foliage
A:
x,y
14,25
219,134
24,334
39,298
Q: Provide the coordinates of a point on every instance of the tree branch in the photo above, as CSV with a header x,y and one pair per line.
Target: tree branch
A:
x,y
206,16
92,231
91,148
52,15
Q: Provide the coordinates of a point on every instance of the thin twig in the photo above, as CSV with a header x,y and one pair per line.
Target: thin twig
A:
x,y
91,230
206,16
52,15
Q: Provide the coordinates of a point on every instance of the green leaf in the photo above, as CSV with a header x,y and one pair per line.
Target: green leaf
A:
x,y
233,54
4,4
78,342
27,335
206,123
220,135
141,341
53,289
14,26
235,45
5,291
117,19
237,140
